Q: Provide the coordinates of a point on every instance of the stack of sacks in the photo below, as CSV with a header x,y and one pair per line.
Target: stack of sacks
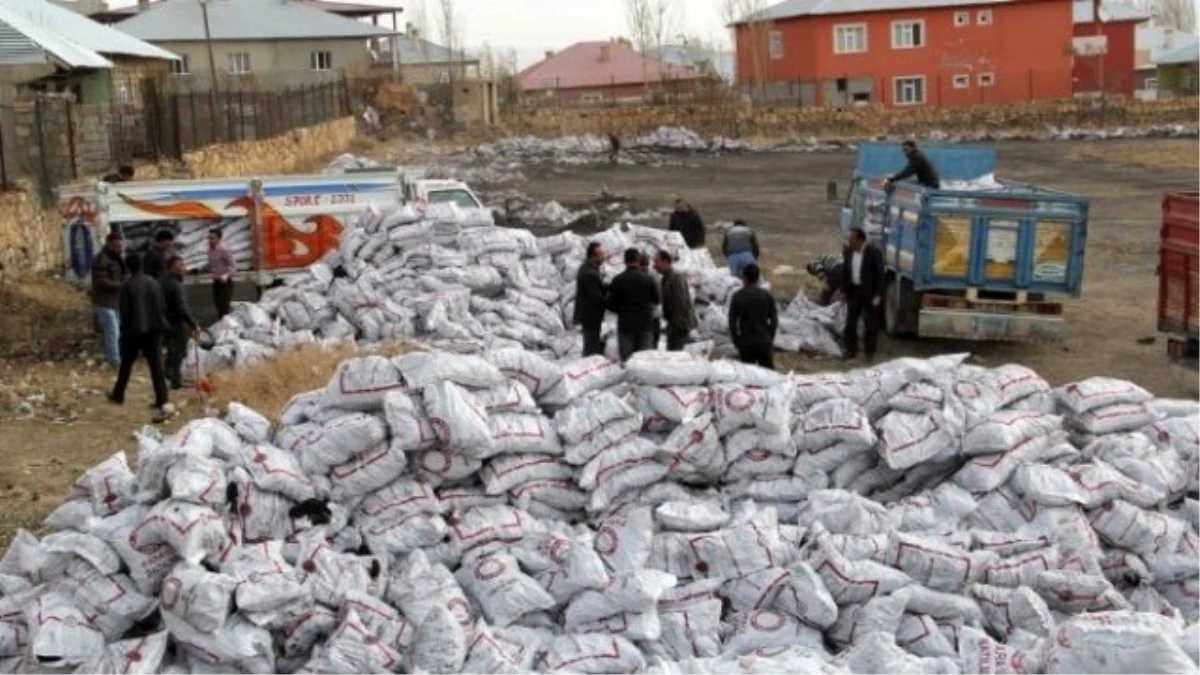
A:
x,y
450,278
507,513
191,239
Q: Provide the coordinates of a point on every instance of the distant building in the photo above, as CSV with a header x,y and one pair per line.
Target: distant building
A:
x,y
267,43
909,52
604,72
45,47
1154,43
709,62
99,10
1104,46
422,62
1178,71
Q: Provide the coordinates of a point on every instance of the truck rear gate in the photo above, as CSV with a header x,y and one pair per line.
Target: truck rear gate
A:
x,y
1179,274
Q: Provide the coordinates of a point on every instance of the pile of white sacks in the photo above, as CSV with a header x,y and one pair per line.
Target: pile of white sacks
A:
x,y
506,513
449,277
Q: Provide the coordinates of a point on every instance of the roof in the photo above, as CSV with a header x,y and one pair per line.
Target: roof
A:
x,y
346,9
790,9
183,21
697,57
1189,53
417,51
36,27
1152,43
1083,11
582,65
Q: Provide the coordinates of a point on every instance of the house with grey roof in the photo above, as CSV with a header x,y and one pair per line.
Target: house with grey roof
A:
x,y
259,44
1166,48
423,62
44,47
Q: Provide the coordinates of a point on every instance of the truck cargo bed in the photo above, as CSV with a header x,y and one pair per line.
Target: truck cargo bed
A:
x,y
1179,272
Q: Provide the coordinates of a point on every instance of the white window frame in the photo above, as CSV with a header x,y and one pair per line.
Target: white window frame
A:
x,y
236,59
1150,84
987,80
962,19
182,66
962,81
591,98
775,45
910,24
316,58
983,17
837,45
902,78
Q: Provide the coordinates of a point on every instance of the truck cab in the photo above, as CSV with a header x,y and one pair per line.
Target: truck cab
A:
x,y
977,259
438,191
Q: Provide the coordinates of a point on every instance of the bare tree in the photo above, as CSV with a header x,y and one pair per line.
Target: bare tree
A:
x,y
751,36
450,29
1177,14
664,17
419,16
639,20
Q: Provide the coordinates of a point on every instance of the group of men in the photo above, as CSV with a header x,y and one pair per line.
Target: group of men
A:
x,y
140,305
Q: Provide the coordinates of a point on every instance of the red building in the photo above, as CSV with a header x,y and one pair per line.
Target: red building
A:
x,y
602,72
908,52
1105,47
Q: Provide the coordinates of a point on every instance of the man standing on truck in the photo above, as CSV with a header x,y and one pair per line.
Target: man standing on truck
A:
x,y
864,280
108,272
677,306
918,165
590,299
633,297
143,321
181,324
740,247
687,222
155,261
222,267
754,320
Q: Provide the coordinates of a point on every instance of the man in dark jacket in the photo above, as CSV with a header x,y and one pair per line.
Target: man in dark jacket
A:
x,y
863,285
740,247
155,262
687,222
677,308
632,296
142,324
108,271
182,325
754,320
918,165
590,299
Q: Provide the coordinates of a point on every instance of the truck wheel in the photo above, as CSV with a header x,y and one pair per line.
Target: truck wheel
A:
x,y
899,303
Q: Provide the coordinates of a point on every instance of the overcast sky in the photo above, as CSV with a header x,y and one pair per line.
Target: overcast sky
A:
x,y
534,26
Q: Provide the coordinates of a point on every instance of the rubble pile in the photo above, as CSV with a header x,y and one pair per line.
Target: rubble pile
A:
x,y
509,513
449,277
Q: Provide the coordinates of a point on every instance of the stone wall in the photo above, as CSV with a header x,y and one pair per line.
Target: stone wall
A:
x,y
31,235
740,120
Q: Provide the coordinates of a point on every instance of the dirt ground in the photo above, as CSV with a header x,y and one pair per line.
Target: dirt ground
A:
x,y
55,423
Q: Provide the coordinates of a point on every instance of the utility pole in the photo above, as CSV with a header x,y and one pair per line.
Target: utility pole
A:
x,y
212,63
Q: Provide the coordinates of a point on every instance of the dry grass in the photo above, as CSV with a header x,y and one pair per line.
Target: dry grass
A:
x,y
1149,153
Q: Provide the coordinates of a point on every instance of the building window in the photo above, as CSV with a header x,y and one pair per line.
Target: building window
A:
x,y
182,65
321,60
987,79
239,63
962,19
962,81
850,39
591,98
908,34
983,17
776,45
909,90
1151,84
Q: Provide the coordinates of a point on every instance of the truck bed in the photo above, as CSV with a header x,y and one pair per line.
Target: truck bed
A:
x,y
1179,266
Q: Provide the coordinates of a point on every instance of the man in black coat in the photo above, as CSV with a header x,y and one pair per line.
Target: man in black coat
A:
x,y
677,307
182,325
754,320
633,297
919,166
155,262
687,222
591,298
143,321
863,284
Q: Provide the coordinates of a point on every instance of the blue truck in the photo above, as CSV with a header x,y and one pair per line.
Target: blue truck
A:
x,y
969,261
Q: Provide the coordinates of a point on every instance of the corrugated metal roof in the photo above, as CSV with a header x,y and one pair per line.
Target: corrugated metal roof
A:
x,y
49,23
49,46
183,21
789,9
1189,53
583,65
418,51
1083,11
1158,41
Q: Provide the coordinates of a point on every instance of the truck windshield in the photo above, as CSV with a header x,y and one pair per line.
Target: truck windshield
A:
x,y
460,198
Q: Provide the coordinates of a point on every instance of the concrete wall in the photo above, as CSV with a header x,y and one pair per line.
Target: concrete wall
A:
x,y
31,236
273,64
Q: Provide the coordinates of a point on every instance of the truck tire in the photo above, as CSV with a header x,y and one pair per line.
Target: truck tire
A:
x,y
900,308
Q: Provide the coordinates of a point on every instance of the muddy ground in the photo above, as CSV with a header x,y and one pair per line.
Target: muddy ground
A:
x,y
54,422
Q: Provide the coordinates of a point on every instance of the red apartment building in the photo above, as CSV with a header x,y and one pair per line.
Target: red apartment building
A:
x,y
602,72
910,52
1105,47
